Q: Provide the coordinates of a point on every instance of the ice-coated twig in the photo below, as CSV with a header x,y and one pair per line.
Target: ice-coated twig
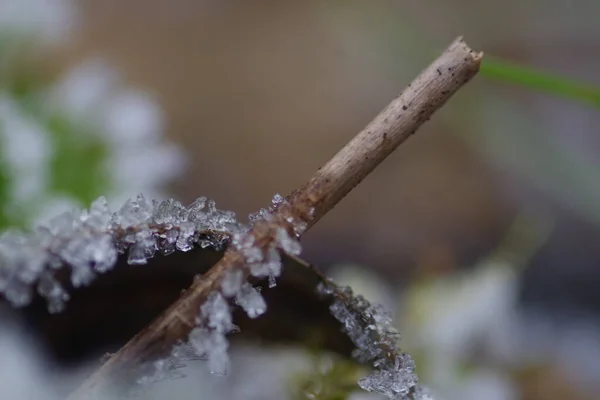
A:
x,y
370,328
88,242
285,222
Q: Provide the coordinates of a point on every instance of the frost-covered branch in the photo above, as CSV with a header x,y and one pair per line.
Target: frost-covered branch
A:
x,y
370,329
202,313
86,243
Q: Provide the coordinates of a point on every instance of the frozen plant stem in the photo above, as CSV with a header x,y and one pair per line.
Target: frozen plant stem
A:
x,y
400,119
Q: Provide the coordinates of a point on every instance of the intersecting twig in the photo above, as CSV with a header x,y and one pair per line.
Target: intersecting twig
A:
x,y
403,116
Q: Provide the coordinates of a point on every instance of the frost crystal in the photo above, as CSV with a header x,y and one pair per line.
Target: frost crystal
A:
x,y
232,282
165,368
370,329
214,345
208,339
251,301
266,261
272,265
287,243
264,213
56,295
217,312
394,381
89,242
260,251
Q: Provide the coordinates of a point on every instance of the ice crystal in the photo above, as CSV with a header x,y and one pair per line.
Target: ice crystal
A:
x,y
213,345
370,328
288,244
165,368
52,290
266,261
272,266
217,313
208,339
265,213
260,251
393,380
232,283
89,242
251,301
214,321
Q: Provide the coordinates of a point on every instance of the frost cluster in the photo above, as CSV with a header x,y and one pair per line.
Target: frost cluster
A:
x,y
260,250
88,242
370,328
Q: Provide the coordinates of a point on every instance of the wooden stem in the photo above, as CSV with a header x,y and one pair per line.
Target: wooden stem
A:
x,y
400,119
396,123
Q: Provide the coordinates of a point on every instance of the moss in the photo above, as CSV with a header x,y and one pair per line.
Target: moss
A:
x,y
330,378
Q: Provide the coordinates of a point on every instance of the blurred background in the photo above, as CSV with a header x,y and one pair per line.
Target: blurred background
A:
x,y
480,233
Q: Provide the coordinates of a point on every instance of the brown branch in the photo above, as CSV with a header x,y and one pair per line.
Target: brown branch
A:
x,y
428,92
396,123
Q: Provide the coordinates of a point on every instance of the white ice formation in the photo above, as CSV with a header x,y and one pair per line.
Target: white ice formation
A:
x,y
88,242
370,328
262,259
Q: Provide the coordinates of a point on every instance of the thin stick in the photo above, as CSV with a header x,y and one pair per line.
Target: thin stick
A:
x,y
396,123
428,92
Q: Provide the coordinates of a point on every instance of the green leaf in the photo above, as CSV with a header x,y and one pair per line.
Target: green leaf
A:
x,y
77,166
541,81
330,378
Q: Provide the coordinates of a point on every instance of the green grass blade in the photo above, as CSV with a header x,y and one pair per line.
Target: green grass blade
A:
x,y
544,82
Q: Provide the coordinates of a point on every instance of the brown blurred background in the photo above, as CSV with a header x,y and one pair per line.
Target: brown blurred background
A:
x,y
261,93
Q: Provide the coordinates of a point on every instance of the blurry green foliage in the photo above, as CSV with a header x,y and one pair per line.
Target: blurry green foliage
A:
x,y
331,378
537,80
76,166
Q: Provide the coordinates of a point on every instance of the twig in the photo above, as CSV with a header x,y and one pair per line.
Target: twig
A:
x,y
396,123
428,92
